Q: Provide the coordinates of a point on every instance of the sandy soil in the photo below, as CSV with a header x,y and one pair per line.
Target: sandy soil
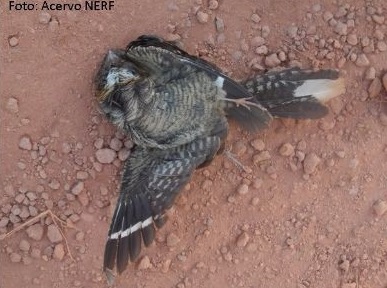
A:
x,y
311,214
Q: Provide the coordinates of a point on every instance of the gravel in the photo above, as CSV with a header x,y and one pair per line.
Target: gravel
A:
x,y
105,155
13,41
35,232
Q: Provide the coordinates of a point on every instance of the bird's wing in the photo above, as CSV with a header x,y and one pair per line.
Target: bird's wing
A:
x,y
296,93
172,58
151,181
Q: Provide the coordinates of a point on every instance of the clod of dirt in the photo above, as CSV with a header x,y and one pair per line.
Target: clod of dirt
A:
x,y
165,266
24,245
341,28
172,240
144,263
35,232
66,148
12,105
352,39
375,88
239,148
53,234
82,175
254,201
243,189
380,207
258,41
272,60
362,60
77,188
44,18
36,253
370,73
202,17
98,143
13,41
258,144
25,143
59,252
242,239
310,163
54,184
105,155
15,257
286,150
382,46
257,183
262,156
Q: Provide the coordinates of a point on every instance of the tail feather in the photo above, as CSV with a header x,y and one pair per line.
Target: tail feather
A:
x,y
296,93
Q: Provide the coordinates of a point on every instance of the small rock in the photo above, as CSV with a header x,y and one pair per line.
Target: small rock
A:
x,y
4,222
292,31
255,18
35,232
316,8
59,252
44,18
202,17
262,50
370,73
242,240
13,41
375,88
262,156
144,263
272,60
352,39
286,150
380,207
243,189
35,253
54,234
258,41
239,148
15,257
310,163
24,245
378,19
257,183
213,4
54,184
382,46
82,175
344,265
12,105
254,201
25,143
172,240
166,265
80,236
78,188
98,143
341,28
258,144
219,24
83,199
105,155
362,60
123,154
116,144
327,16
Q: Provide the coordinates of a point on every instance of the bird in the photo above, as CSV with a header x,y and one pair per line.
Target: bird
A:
x,y
175,107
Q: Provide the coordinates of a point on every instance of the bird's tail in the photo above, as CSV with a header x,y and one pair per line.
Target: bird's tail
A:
x,y
296,93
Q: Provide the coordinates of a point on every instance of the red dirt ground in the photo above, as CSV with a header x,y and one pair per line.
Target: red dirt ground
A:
x,y
326,228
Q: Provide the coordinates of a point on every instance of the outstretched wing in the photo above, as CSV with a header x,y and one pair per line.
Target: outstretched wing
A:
x,y
296,93
151,181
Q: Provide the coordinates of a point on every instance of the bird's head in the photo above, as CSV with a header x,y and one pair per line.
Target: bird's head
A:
x,y
120,85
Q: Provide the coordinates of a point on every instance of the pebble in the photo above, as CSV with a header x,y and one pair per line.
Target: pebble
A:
x,y
362,60
144,263
341,28
54,184
80,236
242,239
35,253
375,88
262,50
66,148
116,144
213,4
255,18
24,245
243,189
4,222
25,143
82,175
292,31
35,232
78,188
219,24
344,265
15,257
286,150
258,41
327,16
172,240
59,252
123,154
98,143
378,19
105,155
272,60
202,17
257,183
12,105
262,156
13,41
380,207
239,148
382,46
310,163
258,144
316,8
352,39
53,234
384,80
165,266
370,73
44,18
254,201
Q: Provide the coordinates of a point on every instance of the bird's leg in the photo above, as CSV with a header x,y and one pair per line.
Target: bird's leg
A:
x,y
243,102
237,163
